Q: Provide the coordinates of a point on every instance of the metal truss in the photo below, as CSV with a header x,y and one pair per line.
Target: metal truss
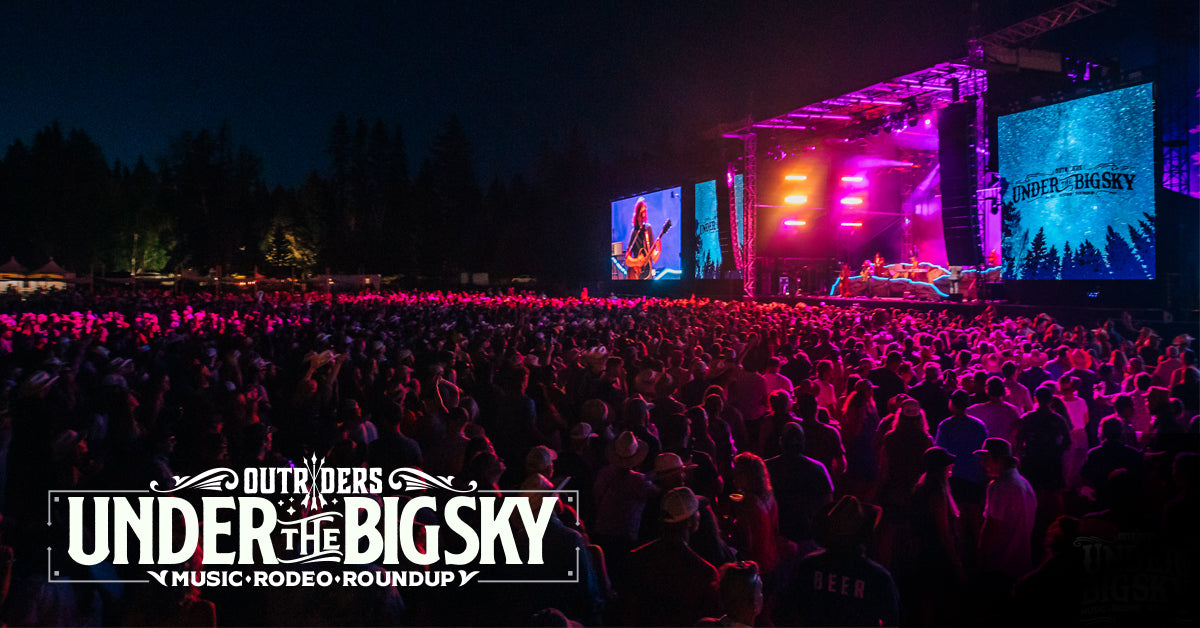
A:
x,y
1050,20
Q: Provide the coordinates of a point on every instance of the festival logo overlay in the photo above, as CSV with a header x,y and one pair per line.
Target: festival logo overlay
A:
x,y
310,525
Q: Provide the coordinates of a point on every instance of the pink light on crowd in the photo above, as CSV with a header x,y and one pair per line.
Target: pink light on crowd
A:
x,y
794,223
796,199
852,200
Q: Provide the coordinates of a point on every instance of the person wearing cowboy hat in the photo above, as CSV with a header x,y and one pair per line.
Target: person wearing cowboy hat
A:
x,y
1167,364
839,585
1043,438
670,472
1035,374
1008,513
621,494
935,521
540,460
562,546
578,461
741,588
668,583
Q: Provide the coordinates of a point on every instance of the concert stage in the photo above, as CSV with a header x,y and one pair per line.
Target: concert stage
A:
x,y
924,281
1039,187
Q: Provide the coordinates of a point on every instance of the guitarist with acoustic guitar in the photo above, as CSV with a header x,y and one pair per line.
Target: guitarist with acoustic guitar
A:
x,y
644,249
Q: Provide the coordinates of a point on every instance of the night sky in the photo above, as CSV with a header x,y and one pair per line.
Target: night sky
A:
x,y
135,74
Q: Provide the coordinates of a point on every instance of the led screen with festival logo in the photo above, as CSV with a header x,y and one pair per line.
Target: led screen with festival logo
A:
x,y
660,223
739,210
1078,183
708,231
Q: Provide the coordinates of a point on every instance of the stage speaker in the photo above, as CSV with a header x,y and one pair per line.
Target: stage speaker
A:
x,y
955,298
956,155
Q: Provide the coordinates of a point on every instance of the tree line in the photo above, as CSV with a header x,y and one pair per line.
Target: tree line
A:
x,y
205,206
1123,256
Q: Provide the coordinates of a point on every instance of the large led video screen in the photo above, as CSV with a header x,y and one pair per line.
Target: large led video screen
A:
x,y
708,232
645,236
1078,182
739,210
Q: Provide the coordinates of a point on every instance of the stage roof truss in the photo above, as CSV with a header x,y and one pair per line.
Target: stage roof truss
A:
x,y
1050,20
917,92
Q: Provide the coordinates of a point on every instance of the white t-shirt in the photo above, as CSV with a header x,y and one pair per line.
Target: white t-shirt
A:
x,y
1012,503
775,382
826,396
1076,412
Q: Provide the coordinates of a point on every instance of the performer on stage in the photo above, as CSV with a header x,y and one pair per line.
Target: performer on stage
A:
x,y
844,284
880,266
643,249
866,277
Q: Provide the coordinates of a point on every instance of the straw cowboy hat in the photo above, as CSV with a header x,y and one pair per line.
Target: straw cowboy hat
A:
x,y
646,381
582,431
667,463
628,450
1080,359
679,504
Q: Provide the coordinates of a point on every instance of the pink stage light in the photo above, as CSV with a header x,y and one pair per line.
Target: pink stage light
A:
x,y
794,223
796,199
854,179
796,177
852,200
820,116
851,224
928,122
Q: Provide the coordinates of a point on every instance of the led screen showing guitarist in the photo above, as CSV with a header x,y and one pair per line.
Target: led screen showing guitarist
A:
x,y
644,249
644,246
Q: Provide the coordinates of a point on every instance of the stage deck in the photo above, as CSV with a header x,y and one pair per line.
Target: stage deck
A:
x,y
1085,315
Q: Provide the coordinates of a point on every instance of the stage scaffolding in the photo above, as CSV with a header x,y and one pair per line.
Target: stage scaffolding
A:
x,y
859,112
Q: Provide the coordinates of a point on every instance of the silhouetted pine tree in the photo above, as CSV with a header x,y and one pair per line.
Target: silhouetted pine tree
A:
x,y
1069,269
1143,241
339,223
1031,266
1146,226
1050,266
1122,263
1014,240
1090,262
453,213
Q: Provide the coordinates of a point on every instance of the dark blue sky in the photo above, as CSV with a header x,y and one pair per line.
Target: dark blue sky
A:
x,y
135,74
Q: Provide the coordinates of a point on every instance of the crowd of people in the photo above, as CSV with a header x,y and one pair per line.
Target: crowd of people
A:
x,y
736,463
